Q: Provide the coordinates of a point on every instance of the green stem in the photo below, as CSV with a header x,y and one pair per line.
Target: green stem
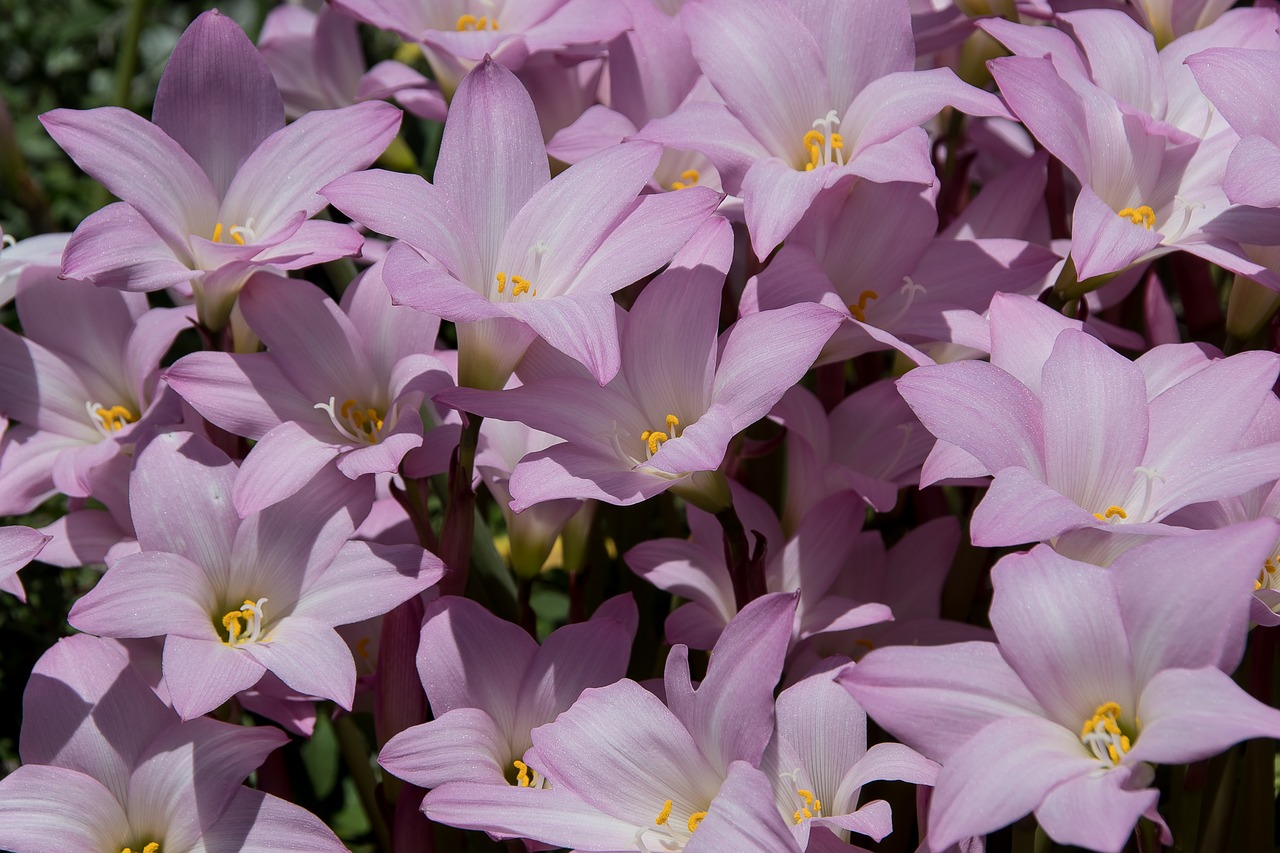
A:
x,y
355,754
1188,800
1218,825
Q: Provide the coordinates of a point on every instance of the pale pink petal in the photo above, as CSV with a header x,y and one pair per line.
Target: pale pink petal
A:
x,y
460,745
1188,715
266,824
115,247
1098,812
54,810
202,674
310,657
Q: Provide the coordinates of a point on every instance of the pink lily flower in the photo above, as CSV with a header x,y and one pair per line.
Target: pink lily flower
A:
x,y
1080,438
513,254
1234,79
108,766
651,73
217,186
1169,19
807,564
870,443
813,93
869,251
237,598
339,385
1094,680
665,421
318,64
689,765
1147,188
18,546
457,35
819,761
83,385
490,685
908,579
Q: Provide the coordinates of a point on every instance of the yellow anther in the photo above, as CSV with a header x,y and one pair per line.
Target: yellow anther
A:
x,y
654,439
813,138
807,796
799,817
522,773
471,22
235,235
859,311
217,233
152,847
519,285
688,178
1142,215
502,281
664,814
837,141
1112,512
115,418
695,819
672,423
231,622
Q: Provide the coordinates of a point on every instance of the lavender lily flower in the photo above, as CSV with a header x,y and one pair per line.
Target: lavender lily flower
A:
x,y
1094,680
217,186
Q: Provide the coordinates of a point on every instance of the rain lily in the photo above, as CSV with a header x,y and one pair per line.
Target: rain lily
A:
x,y
819,761
510,254
108,766
1237,80
237,598
813,93
682,394
217,186
808,564
869,251
1079,437
455,36
490,685
83,385
339,385
689,765
1147,188
1094,680
318,64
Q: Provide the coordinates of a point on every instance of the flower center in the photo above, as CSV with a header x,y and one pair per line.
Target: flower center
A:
x,y
665,815
245,624
1102,735
1142,215
823,144
471,22
1116,514
688,178
653,439
109,420
240,234
859,310
527,777
1112,513
519,285
151,847
362,424
812,806
1269,577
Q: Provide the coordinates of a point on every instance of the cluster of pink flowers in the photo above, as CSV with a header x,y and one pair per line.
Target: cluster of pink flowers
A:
x,y
855,297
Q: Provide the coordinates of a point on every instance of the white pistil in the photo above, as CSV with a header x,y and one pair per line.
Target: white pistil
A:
x,y
827,125
1151,475
910,288
243,234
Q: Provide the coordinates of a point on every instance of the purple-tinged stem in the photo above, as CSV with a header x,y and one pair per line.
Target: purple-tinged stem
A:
x,y
459,517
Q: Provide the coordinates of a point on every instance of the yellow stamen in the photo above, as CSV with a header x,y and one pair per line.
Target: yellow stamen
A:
x,y
1142,215
471,22
688,178
813,140
859,311
502,281
520,285
1101,733
1112,512
232,623
217,233
235,235
152,847
115,418
672,423
664,814
654,439
695,819
837,141
522,773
